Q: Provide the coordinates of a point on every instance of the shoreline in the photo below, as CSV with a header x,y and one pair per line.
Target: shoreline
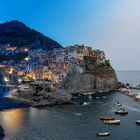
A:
x,y
42,98
21,103
127,92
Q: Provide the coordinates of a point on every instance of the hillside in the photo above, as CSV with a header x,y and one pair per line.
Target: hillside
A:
x,y
18,34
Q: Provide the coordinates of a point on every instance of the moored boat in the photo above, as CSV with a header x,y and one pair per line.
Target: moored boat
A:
x,y
106,118
84,103
113,122
97,98
104,97
90,97
134,86
121,111
118,103
138,122
103,134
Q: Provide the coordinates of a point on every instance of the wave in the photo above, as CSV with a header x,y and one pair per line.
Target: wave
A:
x,y
132,108
78,114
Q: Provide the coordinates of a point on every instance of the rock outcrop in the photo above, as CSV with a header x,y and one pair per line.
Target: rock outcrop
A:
x,y
1,132
95,78
44,97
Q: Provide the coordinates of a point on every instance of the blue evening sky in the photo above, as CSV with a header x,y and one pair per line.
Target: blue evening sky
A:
x,y
109,25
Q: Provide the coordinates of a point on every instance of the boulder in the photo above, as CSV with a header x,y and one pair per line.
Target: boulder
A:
x,y
1,132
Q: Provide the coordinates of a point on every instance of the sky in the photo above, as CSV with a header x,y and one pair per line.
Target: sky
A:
x,y
109,25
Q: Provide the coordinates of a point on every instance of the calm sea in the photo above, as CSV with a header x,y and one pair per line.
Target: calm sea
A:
x,y
75,122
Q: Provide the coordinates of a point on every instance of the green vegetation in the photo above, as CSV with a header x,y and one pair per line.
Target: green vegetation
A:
x,y
107,63
88,60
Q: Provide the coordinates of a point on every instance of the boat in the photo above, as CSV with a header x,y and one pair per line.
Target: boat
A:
x,y
103,134
104,97
138,122
78,114
135,86
104,118
113,122
85,103
97,98
118,103
90,97
121,111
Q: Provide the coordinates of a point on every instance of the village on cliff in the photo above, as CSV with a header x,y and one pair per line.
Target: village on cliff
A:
x,y
42,64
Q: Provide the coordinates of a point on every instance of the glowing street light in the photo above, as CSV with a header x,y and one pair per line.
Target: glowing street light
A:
x,y
20,80
27,58
11,71
6,79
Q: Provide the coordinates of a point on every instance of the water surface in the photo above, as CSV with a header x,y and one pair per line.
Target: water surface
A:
x,y
74,122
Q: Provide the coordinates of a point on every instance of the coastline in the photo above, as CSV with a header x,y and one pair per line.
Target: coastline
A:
x,y
26,98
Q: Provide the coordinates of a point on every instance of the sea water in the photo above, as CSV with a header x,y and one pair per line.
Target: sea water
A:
x,y
76,122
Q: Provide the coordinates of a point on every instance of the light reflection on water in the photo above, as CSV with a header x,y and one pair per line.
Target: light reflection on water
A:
x,y
65,123
74,122
12,118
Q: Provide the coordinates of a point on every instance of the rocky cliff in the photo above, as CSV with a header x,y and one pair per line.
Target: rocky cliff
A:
x,y
95,78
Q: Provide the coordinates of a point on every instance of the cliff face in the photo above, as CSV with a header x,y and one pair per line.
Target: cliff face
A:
x,y
94,78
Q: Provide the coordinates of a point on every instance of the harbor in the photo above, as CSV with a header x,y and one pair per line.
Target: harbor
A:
x,y
74,117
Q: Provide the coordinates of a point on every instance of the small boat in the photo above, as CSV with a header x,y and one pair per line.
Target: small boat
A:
x,y
84,103
113,122
97,98
103,134
105,118
118,104
90,97
121,111
138,122
77,114
135,86
104,97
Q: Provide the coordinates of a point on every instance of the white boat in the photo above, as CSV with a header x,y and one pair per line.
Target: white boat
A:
x,y
90,97
121,111
85,103
115,122
97,98
104,97
102,134
138,122
135,86
78,114
118,103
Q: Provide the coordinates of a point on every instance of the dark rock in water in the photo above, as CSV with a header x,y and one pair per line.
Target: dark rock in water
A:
x,y
2,134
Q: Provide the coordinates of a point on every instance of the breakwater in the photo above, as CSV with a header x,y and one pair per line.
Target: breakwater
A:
x,y
128,92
